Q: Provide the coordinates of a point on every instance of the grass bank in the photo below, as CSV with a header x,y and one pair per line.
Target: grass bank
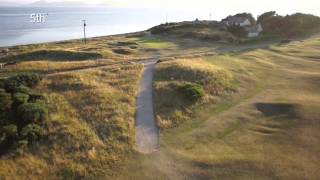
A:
x,y
90,129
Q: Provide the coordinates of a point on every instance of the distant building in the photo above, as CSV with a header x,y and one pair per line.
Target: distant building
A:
x,y
237,21
197,21
254,31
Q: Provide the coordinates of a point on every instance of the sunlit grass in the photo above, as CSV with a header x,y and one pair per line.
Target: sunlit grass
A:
x,y
237,139
171,107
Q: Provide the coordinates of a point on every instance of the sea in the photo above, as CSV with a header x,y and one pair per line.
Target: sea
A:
x,y
66,23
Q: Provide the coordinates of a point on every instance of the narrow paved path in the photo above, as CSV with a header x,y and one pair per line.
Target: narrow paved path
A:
x,y
147,133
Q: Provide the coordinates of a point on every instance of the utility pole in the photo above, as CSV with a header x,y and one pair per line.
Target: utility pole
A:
x,y
84,31
166,18
210,16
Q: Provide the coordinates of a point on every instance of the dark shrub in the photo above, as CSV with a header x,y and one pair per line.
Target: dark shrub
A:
x,y
31,132
3,118
29,79
238,31
34,97
1,83
8,134
289,26
21,146
19,98
31,113
285,41
10,131
191,91
5,101
123,51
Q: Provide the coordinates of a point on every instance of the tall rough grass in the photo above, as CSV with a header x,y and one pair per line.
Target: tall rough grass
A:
x,y
90,128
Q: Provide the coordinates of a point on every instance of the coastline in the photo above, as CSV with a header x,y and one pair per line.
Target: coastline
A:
x,y
76,39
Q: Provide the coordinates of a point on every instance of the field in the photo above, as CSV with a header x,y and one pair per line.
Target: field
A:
x,y
258,118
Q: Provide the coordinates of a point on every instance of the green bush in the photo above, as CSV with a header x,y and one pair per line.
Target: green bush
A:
x,y
28,79
5,101
23,89
23,110
31,132
191,91
31,113
19,98
21,146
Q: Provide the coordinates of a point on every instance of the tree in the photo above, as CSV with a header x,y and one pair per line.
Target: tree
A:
x,y
263,17
248,16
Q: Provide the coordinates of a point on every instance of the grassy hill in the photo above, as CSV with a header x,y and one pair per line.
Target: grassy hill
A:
x,y
174,106
274,26
268,128
203,30
226,111
90,129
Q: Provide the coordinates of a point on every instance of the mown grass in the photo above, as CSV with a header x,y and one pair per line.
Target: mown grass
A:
x,y
90,129
155,43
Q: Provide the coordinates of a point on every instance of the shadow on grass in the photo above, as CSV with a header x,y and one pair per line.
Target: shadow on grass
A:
x,y
232,169
276,109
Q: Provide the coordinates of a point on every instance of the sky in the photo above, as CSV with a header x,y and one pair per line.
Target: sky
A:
x,y
256,7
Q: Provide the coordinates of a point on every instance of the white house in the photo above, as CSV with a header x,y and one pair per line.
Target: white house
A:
x,y
254,31
237,21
